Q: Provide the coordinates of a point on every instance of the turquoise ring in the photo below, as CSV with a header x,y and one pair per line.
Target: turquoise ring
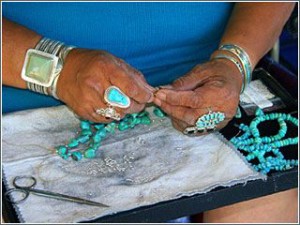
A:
x,y
207,122
115,97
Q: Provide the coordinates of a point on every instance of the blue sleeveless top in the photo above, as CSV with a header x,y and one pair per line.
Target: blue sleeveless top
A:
x,y
164,40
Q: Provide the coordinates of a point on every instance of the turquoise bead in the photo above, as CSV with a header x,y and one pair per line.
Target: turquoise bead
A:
x,y
123,126
83,139
257,146
61,150
99,126
90,153
66,156
102,133
111,127
159,113
96,138
86,132
84,124
73,143
76,156
145,120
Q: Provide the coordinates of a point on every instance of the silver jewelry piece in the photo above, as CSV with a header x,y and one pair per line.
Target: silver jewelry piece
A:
x,y
207,122
109,113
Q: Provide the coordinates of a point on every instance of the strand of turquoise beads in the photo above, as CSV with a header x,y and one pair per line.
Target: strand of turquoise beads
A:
x,y
92,134
256,147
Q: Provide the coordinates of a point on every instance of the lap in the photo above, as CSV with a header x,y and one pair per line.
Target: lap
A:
x,y
280,207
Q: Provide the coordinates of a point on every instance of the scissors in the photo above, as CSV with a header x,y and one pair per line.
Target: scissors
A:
x,y
24,185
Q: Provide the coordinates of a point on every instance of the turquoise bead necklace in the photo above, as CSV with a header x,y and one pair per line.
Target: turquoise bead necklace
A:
x,y
92,134
256,147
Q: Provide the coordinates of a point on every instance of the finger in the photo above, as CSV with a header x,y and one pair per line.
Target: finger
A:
x,y
180,98
97,118
131,86
219,99
135,107
185,114
135,73
179,125
194,78
142,79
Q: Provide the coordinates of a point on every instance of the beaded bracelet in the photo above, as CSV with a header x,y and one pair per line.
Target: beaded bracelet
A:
x,y
256,146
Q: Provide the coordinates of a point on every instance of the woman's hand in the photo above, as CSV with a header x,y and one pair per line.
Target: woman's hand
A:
x,y
215,86
88,73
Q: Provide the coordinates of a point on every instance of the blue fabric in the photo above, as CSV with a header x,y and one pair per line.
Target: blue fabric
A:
x,y
164,40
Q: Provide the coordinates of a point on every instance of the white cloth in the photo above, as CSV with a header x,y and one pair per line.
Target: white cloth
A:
x,y
133,168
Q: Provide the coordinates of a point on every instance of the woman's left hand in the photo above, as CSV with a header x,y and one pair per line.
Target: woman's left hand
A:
x,y
215,86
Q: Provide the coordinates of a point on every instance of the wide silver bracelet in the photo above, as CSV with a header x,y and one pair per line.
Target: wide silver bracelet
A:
x,y
58,49
243,57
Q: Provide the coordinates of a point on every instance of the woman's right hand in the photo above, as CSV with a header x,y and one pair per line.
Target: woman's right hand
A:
x,y
88,73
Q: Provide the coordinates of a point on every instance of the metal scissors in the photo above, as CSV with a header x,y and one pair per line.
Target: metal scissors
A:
x,y
24,185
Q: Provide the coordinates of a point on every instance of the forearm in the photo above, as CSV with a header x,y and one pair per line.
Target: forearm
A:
x,y
16,41
256,26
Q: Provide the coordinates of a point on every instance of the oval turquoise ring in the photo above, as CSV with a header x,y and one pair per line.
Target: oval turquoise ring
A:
x,y
115,97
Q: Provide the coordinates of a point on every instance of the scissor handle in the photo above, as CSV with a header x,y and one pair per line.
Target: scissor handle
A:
x,y
31,179
16,190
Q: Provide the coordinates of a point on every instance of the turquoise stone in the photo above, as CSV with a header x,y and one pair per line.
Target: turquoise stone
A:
x,y
61,150
73,143
85,125
159,113
97,138
99,126
66,156
145,120
83,139
90,153
111,127
76,156
86,132
116,97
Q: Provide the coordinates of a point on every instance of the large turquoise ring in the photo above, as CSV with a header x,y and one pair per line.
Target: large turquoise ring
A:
x,y
207,122
115,97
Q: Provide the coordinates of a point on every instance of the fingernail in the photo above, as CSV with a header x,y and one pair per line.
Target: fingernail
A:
x,y
166,86
161,96
157,101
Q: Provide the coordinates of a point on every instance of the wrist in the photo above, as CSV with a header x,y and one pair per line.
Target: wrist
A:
x,y
239,57
235,73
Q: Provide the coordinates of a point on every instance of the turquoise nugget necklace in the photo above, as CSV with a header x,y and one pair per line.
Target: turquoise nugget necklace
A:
x,y
256,146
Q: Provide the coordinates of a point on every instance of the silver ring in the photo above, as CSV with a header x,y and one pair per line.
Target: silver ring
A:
x,y
108,113
207,122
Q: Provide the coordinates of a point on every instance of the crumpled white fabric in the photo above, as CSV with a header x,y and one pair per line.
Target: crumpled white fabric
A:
x,y
133,168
